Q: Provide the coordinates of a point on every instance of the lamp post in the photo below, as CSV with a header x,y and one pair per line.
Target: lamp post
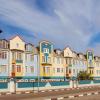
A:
x,y
38,70
77,79
65,74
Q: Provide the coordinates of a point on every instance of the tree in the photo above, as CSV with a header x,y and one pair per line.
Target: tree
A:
x,y
83,75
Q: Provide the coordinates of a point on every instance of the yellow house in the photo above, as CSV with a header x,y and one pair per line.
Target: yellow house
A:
x,y
46,54
17,56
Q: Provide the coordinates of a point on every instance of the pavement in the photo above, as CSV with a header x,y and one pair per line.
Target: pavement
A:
x,y
56,94
48,90
92,97
75,96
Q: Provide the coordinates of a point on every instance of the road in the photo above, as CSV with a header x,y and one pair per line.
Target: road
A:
x,y
51,94
93,97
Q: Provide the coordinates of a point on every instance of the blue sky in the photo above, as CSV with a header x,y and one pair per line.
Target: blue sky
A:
x,y
64,22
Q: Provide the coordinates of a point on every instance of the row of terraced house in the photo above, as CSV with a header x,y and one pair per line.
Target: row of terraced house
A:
x,y
23,60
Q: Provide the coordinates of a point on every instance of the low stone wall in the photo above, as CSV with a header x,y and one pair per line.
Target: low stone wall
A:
x,y
4,85
41,85
13,85
82,83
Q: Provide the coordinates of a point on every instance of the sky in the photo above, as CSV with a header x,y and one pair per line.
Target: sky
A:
x,y
73,23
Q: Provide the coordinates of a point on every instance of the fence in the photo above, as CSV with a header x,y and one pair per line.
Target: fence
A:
x,y
41,85
13,85
4,85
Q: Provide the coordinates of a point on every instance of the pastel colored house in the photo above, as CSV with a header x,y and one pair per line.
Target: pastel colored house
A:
x,y
59,65
79,64
45,55
68,55
96,67
31,61
4,58
90,62
75,63
17,57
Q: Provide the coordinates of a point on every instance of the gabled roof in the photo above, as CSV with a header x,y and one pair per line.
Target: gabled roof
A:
x,y
45,41
17,36
29,44
67,47
58,49
4,40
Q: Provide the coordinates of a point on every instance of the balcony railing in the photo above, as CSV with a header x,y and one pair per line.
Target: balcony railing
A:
x,y
70,65
19,61
91,67
46,74
46,63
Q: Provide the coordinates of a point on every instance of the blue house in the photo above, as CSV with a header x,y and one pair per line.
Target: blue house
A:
x,y
31,61
4,58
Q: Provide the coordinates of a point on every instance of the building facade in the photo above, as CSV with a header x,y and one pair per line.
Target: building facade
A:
x,y
31,61
4,58
90,62
59,65
76,62
45,59
96,67
17,57
21,60
68,55
79,64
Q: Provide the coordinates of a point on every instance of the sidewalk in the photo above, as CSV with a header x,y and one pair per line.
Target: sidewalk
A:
x,y
49,90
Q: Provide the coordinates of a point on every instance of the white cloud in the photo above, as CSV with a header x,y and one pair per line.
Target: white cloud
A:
x,y
70,23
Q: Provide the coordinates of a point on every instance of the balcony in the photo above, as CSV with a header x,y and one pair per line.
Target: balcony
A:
x,y
46,63
92,67
70,65
19,61
46,74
